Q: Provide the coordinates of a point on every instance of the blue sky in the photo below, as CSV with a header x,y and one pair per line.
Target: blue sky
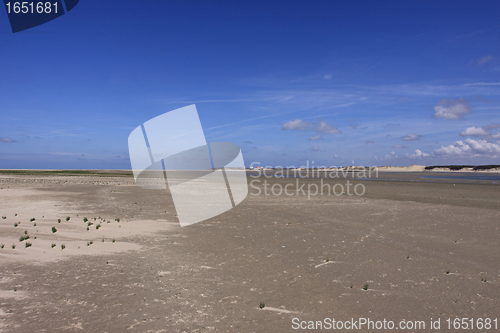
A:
x,y
334,82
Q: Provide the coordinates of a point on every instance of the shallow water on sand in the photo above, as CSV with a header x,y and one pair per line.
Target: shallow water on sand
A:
x,y
471,176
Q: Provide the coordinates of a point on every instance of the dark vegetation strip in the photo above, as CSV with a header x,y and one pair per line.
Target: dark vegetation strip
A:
x,y
460,167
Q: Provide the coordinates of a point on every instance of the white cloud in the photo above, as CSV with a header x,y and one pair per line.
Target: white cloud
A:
x,y
411,137
419,153
399,146
474,131
7,140
300,125
297,124
326,128
483,146
315,148
459,148
369,141
452,109
483,132
474,150
316,137
393,157
328,77
469,148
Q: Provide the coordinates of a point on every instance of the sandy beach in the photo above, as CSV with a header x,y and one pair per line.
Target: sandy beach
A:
x,y
406,249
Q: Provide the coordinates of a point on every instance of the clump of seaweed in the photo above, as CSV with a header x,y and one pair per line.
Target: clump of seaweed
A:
x,y
24,237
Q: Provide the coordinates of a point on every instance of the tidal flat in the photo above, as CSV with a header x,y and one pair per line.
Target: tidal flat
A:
x,y
404,250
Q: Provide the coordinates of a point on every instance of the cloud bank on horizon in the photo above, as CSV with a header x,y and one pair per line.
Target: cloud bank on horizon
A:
x,y
325,82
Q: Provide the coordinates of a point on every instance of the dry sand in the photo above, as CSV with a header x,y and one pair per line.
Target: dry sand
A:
x,y
411,168
425,250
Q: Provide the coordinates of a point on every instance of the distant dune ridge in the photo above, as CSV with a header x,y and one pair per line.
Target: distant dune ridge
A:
x,y
464,168
441,168
411,168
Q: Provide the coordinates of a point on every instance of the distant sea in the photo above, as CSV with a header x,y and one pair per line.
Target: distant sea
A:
x,y
406,176
466,176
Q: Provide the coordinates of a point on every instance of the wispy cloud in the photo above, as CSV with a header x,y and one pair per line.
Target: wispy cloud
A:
x,y
246,120
60,133
491,126
482,84
399,146
67,154
485,59
226,100
31,136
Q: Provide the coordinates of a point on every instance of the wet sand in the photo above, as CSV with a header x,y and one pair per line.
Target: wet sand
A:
x,y
421,250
